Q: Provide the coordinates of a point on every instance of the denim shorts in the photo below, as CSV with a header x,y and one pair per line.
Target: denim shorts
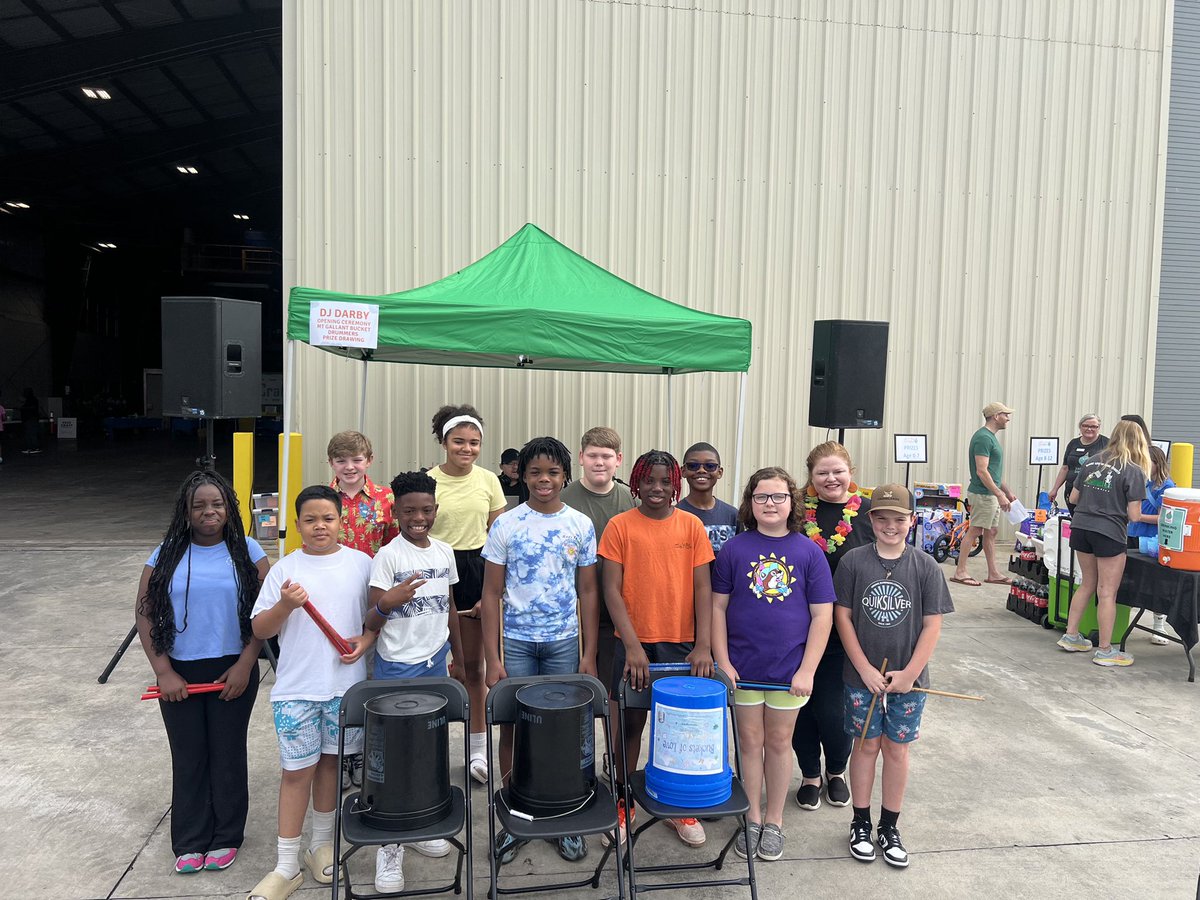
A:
x,y
309,728
900,720
525,658
434,667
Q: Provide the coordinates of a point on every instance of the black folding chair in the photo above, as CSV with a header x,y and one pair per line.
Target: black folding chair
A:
x,y
348,821
635,792
598,816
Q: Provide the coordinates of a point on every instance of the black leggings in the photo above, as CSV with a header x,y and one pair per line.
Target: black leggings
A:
x,y
820,723
210,794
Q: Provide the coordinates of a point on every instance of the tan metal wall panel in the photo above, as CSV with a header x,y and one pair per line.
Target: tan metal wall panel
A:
x,y
985,175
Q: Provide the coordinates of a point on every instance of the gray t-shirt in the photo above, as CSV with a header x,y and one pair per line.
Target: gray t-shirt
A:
x,y
888,613
1105,490
720,522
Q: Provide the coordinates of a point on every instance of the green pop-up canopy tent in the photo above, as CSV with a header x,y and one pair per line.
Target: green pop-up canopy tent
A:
x,y
532,303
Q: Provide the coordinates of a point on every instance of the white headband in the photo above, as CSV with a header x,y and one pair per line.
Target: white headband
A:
x,y
461,420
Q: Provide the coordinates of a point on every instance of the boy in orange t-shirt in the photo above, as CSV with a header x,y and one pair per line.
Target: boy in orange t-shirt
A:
x,y
657,589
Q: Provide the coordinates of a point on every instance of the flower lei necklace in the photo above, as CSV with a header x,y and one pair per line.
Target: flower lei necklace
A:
x,y
831,544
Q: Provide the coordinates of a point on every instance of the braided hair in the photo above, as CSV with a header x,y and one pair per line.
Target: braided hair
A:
x,y
155,604
645,463
551,448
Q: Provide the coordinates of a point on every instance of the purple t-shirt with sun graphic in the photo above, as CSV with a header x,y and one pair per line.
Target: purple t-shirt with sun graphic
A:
x,y
770,582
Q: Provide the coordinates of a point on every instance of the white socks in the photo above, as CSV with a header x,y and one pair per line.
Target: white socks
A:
x,y
288,864
322,828
479,745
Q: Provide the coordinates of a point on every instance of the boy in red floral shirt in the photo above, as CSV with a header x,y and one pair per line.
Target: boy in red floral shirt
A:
x,y
368,522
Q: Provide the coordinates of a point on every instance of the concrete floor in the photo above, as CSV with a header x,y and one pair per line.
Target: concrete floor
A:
x,y
1069,781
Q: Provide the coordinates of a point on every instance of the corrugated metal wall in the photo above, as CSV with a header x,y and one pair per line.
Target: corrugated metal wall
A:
x,y
984,175
1177,375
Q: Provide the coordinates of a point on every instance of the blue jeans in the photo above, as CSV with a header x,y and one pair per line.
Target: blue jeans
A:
x,y
524,658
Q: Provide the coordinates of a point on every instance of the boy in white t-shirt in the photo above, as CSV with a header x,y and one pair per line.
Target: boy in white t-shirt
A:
x,y
412,600
311,679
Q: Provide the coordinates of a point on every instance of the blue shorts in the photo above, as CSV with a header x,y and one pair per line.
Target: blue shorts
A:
x,y
525,658
434,667
309,728
900,721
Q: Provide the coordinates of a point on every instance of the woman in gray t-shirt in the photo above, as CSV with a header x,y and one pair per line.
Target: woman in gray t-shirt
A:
x,y
1108,495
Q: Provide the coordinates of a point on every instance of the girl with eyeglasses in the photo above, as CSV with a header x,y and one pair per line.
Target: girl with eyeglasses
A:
x,y
772,614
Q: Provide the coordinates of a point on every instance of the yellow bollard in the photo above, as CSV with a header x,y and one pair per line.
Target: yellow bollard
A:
x,y
243,476
1182,456
295,484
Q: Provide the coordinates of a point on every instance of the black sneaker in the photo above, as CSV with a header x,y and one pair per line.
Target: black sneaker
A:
x,y
809,796
861,847
836,791
893,850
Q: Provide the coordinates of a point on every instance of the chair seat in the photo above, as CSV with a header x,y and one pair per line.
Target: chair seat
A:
x,y
737,804
598,816
358,832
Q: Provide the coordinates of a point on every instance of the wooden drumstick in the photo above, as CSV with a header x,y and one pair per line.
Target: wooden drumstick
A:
x,y
871,709
948,694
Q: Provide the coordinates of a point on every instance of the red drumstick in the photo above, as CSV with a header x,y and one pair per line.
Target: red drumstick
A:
x,y
153,692
340,643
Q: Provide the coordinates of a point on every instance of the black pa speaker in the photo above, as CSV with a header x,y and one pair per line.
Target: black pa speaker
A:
x,y
211,357
849,368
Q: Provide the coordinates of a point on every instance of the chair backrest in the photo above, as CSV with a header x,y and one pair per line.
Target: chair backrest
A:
x,y
631,699
502,699
354,701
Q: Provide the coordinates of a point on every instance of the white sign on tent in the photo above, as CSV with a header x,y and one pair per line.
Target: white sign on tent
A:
x,y
343,325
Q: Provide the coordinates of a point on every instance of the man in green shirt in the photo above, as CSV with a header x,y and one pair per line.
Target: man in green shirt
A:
x,y
987,493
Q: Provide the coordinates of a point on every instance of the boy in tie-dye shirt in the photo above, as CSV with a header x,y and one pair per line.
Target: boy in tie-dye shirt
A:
x,y
540,579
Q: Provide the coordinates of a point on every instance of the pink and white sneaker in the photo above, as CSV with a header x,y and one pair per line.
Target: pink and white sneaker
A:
x,y
220,859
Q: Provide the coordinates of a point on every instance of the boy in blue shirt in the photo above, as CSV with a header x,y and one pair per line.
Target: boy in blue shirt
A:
x,y
540,577
702,470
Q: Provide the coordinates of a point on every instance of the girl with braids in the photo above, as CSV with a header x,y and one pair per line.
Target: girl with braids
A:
x,y
193,617
657,589
772,614
540,578
469,500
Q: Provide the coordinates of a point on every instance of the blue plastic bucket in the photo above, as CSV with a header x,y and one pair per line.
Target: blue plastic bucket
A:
x,y
689,743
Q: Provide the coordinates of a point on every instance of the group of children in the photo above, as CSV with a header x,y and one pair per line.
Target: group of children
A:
x,y
693,580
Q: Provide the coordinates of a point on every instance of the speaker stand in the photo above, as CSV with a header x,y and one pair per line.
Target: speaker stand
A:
x,y
208,462
842,436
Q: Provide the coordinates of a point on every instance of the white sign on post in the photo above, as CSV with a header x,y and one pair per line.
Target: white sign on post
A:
x,y
910,448
343,325
1164,446
1043,451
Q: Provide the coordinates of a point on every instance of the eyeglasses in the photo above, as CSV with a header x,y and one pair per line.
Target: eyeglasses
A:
x,y
777,499
706,466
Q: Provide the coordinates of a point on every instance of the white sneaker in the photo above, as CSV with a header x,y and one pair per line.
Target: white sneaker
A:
x,y
436,849
389,869
1160,624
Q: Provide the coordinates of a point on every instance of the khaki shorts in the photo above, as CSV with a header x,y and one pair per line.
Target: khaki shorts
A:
x,y
985,510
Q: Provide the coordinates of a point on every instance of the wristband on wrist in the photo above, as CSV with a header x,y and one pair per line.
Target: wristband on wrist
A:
x,y
381,612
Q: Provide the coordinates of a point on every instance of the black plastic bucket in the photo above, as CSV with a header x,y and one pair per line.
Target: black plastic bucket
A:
x,y
406,761
554,749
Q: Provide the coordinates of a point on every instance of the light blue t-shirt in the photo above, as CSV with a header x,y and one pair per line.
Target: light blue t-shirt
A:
x,y
540,554
204,594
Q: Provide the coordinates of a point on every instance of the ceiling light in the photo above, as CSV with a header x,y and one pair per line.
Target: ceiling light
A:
x,y
242,216
187,170
96,93
16,204
107,246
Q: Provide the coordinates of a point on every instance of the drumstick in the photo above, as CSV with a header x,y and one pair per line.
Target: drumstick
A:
x,y
339,643
948,694
871,709
763,686
154,692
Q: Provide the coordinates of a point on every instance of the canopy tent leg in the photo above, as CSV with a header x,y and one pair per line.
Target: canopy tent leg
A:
x,y
289,374
362,398
741,428
670,411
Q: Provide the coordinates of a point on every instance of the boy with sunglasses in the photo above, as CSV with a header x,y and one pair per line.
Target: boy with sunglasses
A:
x,y
702,470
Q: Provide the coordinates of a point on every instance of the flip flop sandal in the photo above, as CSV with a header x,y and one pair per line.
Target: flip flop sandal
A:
x,y
1000,580
969,581
478,767
318,861
276,887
